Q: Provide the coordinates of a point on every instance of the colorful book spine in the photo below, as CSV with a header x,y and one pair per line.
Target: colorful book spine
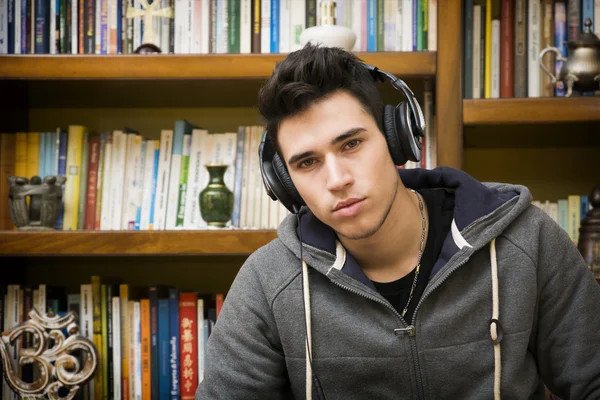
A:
x,y
188,331
145,334
174,342
164,378
74,158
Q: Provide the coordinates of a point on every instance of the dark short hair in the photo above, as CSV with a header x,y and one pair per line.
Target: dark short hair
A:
x,y
309,75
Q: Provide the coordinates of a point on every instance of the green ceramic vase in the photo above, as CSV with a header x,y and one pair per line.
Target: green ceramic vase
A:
x,y
216,200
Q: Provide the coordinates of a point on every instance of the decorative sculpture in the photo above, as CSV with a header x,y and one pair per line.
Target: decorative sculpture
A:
x,y
148,12
589,234
45,200
65,364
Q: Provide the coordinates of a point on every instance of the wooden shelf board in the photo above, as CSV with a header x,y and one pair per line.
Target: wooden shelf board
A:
x,y
531,110
189,66
112,243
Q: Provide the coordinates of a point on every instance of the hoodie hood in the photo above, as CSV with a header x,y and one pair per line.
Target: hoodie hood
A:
x,y
481,212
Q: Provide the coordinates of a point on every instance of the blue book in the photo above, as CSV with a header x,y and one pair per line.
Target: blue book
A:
x,y
62,171
119,29
275,26
164,379
154,179
371,25
10,35
42,156
174,342
585,205
42,27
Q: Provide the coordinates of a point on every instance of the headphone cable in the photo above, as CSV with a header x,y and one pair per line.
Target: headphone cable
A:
x,y
318,393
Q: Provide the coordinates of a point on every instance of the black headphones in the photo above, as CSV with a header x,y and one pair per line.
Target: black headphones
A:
x,y
403,128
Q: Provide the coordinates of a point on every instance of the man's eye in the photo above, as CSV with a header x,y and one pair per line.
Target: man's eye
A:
x,y
307,163
353,143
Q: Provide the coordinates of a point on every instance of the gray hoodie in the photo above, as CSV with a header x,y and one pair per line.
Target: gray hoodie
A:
x,y
504,260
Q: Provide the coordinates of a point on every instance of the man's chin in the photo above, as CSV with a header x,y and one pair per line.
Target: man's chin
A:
x,y
357,232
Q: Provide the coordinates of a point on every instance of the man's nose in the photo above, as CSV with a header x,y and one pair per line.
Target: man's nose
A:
x,y
339,176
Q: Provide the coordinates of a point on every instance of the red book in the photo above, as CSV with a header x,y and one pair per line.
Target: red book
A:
x,y
92,183
507,48
188,345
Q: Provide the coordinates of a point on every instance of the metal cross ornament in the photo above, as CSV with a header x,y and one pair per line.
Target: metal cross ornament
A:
x,y
148,12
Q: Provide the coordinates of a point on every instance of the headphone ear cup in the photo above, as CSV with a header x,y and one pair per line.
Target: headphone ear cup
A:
x,y
286,181
391,133
410,144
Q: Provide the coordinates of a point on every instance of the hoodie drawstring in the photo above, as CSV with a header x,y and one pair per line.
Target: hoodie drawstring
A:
x,y
306,295
496,331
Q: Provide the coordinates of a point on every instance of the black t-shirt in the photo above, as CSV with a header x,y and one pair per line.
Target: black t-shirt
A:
x,y
440,207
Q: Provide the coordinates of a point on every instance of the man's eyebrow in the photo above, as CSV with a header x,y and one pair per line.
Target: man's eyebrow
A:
x,y
346,135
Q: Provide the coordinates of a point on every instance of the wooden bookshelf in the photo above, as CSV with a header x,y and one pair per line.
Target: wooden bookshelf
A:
x,y
531,110
138,243
189,66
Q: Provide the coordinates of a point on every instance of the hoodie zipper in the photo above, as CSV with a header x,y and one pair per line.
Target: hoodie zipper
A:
x,y
413,342
409,329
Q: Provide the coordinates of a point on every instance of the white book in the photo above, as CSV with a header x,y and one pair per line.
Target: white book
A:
x,y
17,20
389,24
180,21
432,26
223,34
265,27
196,173
205,25
200,335
74,28
116,324
246,26
477,52
398,23
132,339
97,23
495,59
105,213
131,195
119,151
137,354
285,33
533,47
162,183
196,28
148,184
244,214
407,25
52,26
258,183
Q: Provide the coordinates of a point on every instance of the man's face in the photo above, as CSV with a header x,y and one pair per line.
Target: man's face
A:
x,y
339,161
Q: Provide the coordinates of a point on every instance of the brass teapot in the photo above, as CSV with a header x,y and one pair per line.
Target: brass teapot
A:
x,y
581,69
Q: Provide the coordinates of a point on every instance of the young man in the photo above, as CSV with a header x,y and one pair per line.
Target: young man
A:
x,y
417,284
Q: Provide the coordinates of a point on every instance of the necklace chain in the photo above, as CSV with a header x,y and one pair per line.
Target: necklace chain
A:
x,y
418,267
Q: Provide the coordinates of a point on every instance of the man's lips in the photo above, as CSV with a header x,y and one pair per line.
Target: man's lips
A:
x,y
348,207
